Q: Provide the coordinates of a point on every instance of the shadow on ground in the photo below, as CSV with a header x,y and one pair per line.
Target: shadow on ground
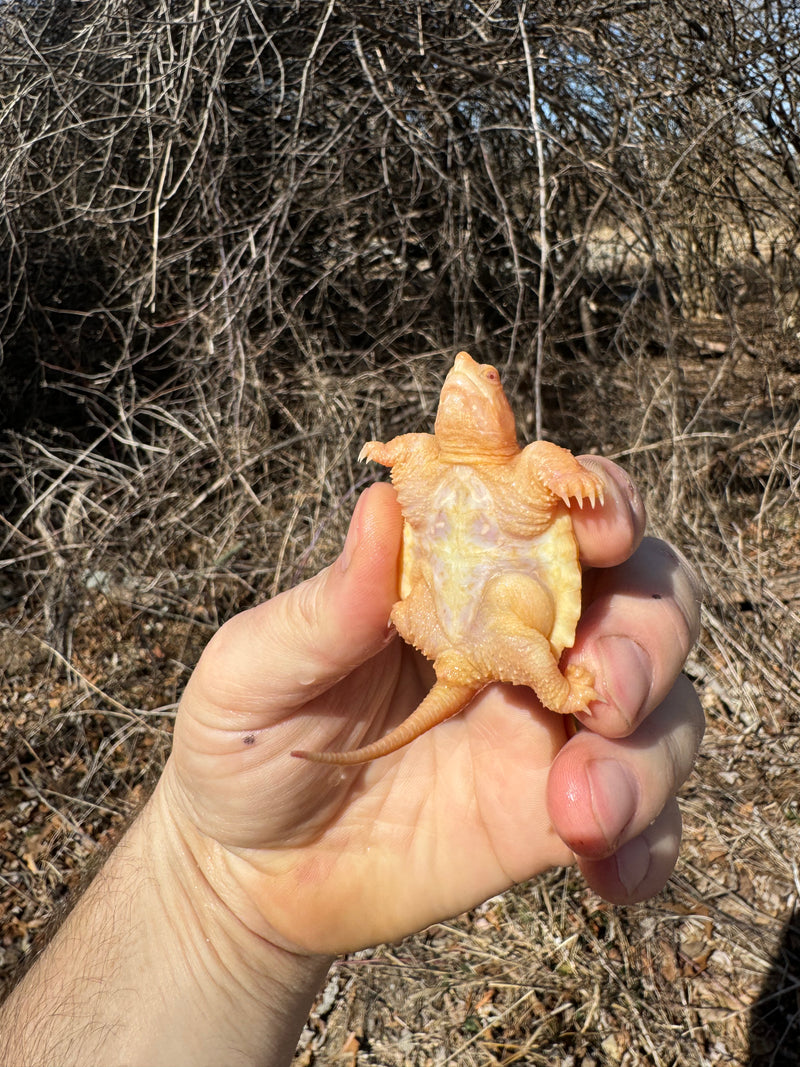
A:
x,y
775,1018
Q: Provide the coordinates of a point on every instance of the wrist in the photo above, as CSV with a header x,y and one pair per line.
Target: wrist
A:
x,y
152,968
242,990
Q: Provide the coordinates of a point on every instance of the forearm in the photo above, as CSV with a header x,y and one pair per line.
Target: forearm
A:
x,y
151,968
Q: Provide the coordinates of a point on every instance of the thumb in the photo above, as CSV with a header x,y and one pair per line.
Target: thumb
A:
x,y
271,659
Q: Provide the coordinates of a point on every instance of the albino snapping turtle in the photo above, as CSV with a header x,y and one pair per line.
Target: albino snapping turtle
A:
x,y
490,583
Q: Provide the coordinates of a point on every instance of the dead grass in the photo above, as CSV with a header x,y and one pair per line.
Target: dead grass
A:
x,y
235,246
97,643
708,972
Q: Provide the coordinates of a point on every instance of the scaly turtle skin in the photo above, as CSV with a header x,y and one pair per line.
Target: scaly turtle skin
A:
x,y
490,583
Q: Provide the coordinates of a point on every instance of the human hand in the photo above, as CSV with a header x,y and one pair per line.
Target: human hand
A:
x,y
319,859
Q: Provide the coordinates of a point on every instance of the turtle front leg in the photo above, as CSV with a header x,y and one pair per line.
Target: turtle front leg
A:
x,y
398,450
559,473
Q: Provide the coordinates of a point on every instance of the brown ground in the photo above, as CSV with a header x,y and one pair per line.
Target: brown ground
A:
x,y
92,661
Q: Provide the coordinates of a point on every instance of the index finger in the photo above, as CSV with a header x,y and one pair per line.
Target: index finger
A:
x,y
610,533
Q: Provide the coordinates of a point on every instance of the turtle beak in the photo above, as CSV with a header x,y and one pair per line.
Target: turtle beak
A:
x,y
464,373
464,363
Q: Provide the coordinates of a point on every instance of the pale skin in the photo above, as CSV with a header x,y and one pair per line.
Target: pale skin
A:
x,y
206,935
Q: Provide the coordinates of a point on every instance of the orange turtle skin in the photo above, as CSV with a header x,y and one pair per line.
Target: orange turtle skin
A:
x,y
490,583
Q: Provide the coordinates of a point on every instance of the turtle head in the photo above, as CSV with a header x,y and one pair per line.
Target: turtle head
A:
x,y
474,423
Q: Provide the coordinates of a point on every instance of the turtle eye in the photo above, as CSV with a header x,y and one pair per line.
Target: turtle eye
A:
x,y
490,374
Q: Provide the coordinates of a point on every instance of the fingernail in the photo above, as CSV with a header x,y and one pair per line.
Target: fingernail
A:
x,y
614,796
625,676
351,541
633,863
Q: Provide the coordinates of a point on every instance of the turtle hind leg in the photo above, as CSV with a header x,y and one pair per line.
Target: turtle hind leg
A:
x,y
443,701
517,614
526,658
